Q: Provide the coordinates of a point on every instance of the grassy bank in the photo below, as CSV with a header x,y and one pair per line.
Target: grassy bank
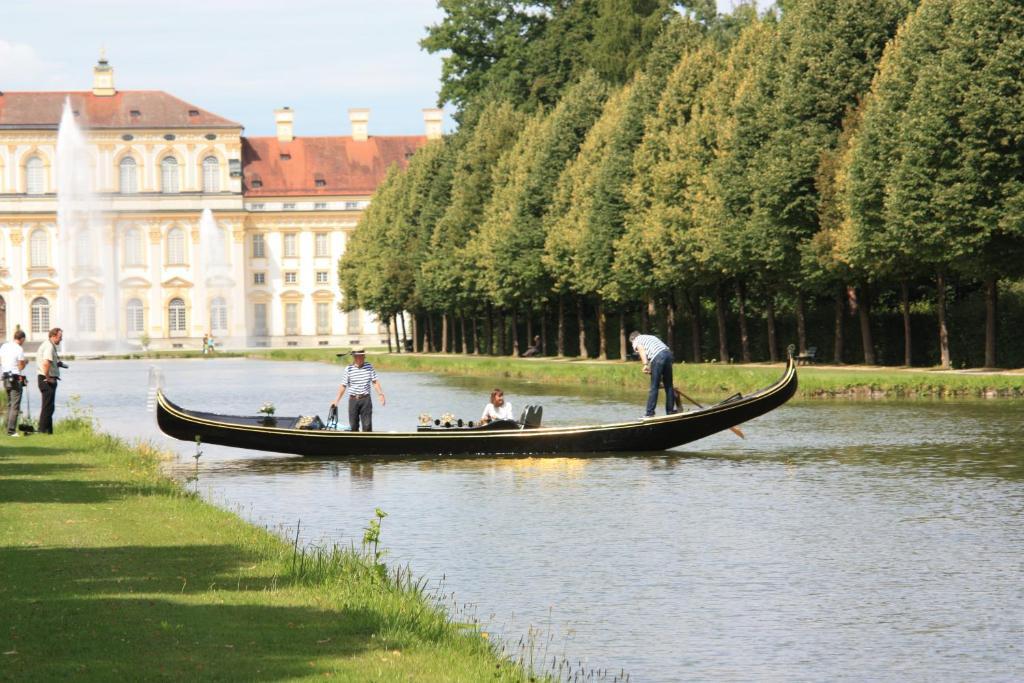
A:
x,y
109,570
707,379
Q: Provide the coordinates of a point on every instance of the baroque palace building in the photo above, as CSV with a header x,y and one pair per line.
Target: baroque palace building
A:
x,y
283,205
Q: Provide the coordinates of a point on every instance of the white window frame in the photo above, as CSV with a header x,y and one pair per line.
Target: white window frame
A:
x,y
169,175
290,246
39,249
35,175
176,247
219,314
259,246
128,175
134,251
176,320
135,317
40,315
211,174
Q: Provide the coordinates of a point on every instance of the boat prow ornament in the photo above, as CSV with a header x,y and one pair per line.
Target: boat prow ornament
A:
x,y
448,435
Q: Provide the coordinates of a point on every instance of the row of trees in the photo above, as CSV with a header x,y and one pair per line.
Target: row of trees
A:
x,y
631,158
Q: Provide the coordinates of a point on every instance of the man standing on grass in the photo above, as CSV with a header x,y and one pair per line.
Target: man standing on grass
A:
x,y
657,360
48,368
358,378
12,363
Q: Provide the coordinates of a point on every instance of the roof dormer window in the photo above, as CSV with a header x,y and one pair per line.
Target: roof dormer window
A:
x,y
135,113
193,112
320,182
285,156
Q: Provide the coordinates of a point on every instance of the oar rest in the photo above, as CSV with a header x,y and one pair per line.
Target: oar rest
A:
x,y
735,397
531,417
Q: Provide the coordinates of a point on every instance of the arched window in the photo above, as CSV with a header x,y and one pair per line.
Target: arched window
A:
x,y
169,175
35,176
211,174
133,251
40,315
134,320
219,315
129,176
176,247
176,315
86,309
38,249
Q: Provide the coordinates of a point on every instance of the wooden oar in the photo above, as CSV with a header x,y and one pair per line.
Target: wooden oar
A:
x,y
678,393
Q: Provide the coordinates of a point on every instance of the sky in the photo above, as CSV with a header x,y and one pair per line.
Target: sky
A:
x,y
240,59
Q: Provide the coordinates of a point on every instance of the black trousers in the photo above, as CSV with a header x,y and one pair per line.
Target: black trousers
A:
x,y
49,392
360,411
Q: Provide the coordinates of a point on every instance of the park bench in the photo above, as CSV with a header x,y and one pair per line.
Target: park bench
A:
x,y
808,356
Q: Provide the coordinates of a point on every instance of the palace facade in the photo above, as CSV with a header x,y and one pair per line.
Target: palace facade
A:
x,y
283,205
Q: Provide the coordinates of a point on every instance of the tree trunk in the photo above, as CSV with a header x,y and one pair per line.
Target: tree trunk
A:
x,y
543,333
991,310
864,315
477,336
622,335
741,298
769,309
401,320
840,309
905,308
515,333
387,329
801,322
645,322
529,330
444,332
723,341
499,321
415,324
695,329
940,305
560,342
581,324
462,344
602,336
488,331
670,323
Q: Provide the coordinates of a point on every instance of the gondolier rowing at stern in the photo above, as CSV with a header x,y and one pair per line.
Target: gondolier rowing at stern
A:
x,y
358,378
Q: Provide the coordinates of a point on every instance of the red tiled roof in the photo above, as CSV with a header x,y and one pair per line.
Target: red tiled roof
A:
x,y
343,165
154,109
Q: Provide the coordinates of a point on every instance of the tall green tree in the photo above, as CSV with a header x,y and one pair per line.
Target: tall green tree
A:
x,y
512,235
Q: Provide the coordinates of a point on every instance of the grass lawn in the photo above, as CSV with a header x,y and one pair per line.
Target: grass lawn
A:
x,y
707,379
110,571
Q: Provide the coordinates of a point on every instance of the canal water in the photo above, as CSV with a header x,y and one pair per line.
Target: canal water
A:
x,y
839,541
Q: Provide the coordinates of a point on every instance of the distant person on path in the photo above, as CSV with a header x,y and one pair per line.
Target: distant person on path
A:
x,y
12,365
657,360
210,344
206,344
497,408
358,378
48,366
533,349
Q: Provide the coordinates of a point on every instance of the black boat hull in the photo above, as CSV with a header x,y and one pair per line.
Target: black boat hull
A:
x,y
652,434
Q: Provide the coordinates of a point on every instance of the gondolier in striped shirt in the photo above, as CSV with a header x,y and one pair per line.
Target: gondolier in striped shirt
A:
x,y
657,360
357,380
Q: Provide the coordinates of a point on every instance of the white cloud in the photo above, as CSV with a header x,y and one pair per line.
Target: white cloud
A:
x,y
21,67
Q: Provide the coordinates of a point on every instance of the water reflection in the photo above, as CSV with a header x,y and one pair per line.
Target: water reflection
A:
x,y
866,540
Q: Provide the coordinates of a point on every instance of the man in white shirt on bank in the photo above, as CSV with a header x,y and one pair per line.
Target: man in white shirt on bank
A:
x,y
12,366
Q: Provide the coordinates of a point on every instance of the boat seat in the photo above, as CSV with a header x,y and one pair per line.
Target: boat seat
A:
x,y
531,417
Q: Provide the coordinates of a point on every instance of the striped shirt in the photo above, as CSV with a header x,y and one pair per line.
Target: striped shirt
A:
x,y
651,345
358,379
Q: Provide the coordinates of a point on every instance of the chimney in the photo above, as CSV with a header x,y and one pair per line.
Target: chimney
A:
x,y
285,118
360,119
432,120
103,77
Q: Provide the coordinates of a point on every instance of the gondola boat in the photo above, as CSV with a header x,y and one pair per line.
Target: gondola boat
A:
x,y
283,435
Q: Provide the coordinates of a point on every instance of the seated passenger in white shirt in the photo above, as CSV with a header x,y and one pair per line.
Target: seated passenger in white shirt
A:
x,y
497,409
